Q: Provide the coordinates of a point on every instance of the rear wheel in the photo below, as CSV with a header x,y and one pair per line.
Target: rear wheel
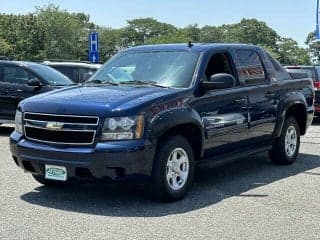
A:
x,y
286,148
173,169
48,182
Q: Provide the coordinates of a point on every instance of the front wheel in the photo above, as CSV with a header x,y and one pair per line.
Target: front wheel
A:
x,y
286,148
173,169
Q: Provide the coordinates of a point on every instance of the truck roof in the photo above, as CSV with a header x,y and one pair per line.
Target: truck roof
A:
x,y
20,63
198,47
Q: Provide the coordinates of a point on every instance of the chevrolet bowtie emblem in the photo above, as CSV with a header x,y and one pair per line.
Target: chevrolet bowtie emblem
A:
x,y
54,126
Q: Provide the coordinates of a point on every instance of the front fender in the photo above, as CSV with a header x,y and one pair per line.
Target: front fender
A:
x,y
171,118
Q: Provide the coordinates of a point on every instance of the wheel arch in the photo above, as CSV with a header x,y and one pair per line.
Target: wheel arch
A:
x,y
296,109
184,122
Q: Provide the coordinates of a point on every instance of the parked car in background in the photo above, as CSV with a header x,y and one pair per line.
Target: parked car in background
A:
x,y
154,112
20,80
77,71
312,72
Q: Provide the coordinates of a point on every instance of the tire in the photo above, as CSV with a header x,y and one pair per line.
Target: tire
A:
x,y
173,169
285,152
48,182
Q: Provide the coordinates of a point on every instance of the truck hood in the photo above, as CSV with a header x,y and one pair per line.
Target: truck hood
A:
x,y
99,101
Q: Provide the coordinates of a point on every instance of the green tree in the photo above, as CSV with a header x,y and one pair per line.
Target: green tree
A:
x,y
192,32
211,34
65,34
291,53
177,36
110,42
314,47
251,31
140,30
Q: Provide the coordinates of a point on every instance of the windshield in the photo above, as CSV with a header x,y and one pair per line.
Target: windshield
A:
x,y
50,75
162,68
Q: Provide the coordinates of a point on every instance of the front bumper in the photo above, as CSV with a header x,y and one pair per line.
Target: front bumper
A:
x,y
121,160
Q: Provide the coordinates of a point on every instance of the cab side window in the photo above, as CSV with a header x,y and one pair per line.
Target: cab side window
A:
x,y
16,75
250,68
219,63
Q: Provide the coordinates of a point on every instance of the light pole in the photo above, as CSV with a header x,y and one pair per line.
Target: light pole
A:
x,y
317,23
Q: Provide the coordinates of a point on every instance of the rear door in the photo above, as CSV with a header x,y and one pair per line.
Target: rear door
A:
x,y
262,95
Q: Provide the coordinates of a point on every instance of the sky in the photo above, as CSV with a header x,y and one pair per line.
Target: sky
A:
x,y
290,18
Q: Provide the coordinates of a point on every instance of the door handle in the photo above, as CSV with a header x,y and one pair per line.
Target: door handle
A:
x,y
270,95
240,100
19,90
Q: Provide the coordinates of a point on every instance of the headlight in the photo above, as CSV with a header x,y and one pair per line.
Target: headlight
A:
x,y
123,128
18,122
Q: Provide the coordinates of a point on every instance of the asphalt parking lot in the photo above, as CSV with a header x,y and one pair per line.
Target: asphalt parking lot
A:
x,y
247,199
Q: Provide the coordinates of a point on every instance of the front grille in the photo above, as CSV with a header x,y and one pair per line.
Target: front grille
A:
x,y
60,129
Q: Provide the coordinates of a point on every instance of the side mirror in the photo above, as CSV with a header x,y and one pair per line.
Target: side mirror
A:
x,y
220,81
34,83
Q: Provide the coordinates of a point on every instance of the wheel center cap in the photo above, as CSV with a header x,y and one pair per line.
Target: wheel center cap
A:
x,y
176,166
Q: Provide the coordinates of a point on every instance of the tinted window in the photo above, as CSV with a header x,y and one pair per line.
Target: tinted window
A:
x,y
50,75
250,67
70,72
166,68
276,65
16,75
219,63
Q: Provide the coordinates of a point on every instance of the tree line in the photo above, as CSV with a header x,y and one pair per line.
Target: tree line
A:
x,y
53,33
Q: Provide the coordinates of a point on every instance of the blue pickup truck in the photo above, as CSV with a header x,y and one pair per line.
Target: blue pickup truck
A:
x,y
151,114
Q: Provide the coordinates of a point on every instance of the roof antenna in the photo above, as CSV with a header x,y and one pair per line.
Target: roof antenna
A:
x,y
190,45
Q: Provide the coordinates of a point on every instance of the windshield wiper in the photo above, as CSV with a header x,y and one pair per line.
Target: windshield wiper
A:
x,y
144,82
98,81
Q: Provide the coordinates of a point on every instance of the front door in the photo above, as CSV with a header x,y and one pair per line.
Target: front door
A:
x,y
224,112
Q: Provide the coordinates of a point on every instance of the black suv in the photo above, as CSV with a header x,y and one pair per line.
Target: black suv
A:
x,y
78,72
20,80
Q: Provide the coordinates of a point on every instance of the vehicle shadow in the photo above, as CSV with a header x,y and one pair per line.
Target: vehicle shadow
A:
x,y
211,186
5,131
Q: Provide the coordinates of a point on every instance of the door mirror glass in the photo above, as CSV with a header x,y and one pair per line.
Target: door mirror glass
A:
x,y
220,81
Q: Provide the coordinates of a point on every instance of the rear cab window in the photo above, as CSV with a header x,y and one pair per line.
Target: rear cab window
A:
x,y
250,68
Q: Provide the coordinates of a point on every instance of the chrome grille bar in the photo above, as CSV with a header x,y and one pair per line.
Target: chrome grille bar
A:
x,y
60,129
